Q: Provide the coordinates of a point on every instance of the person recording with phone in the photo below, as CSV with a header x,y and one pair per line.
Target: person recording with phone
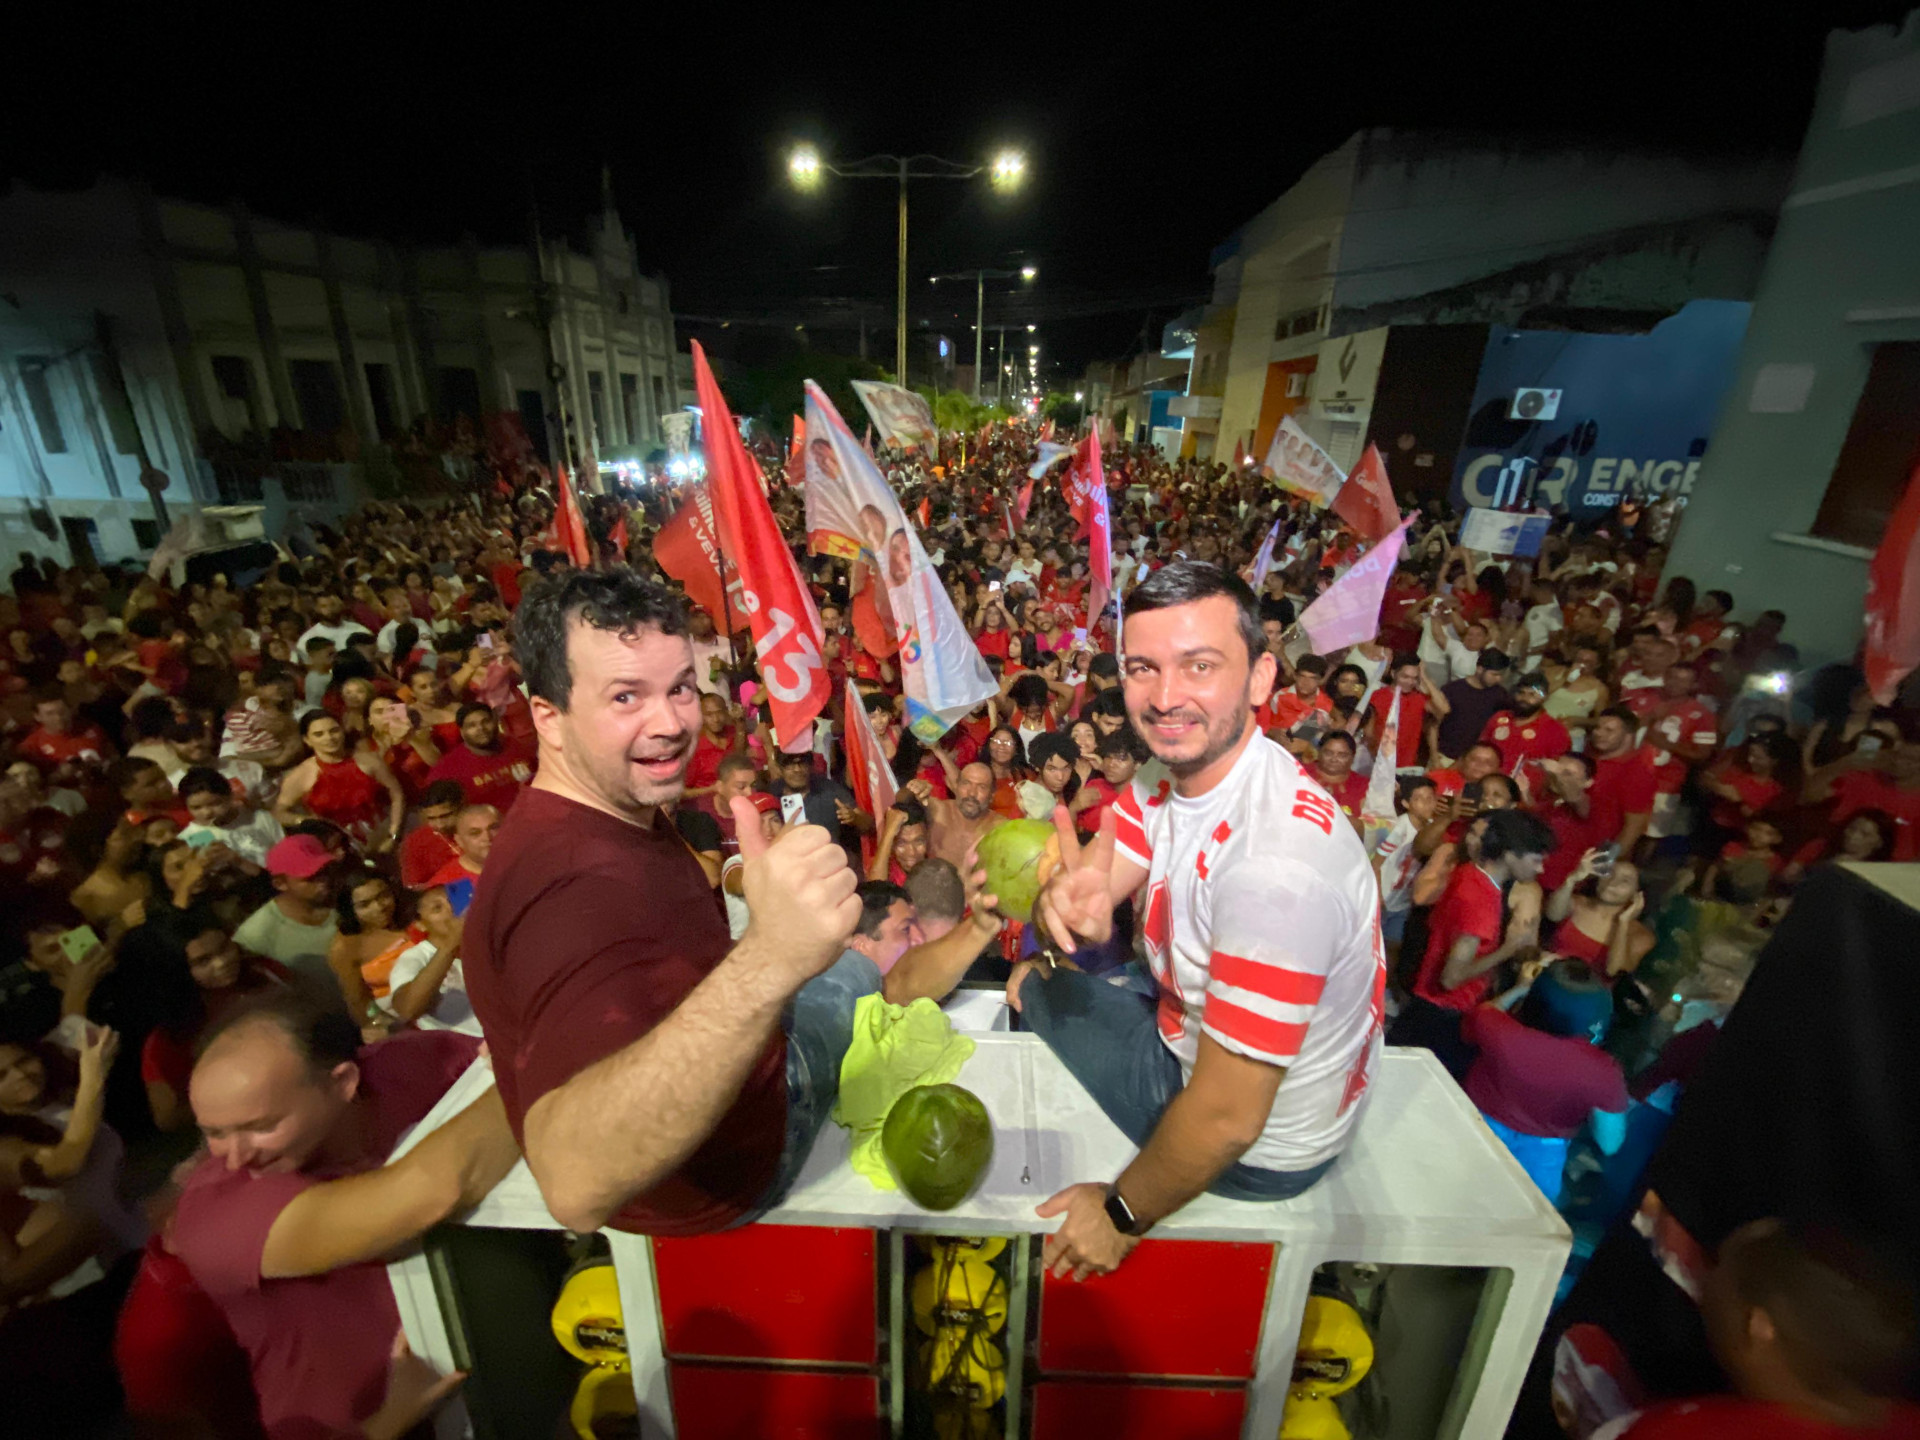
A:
x,y
823,801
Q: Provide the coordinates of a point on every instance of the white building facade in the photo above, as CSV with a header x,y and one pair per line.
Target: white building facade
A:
x,y
249,361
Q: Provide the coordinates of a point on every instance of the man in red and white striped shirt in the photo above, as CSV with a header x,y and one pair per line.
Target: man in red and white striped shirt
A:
x,y
1260,915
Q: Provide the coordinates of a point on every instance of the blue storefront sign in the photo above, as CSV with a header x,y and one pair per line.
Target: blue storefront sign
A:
x,y
1634,412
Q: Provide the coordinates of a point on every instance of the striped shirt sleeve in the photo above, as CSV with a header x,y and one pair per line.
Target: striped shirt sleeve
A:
x,y
1275,937
1130,829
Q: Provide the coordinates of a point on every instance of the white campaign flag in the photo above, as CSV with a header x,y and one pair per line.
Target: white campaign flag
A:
x,y
1297,464
852,513
898,414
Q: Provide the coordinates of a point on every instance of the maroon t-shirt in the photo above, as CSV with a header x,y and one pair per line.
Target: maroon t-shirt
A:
x,y
587,932
494,779
318,1345
1536,1083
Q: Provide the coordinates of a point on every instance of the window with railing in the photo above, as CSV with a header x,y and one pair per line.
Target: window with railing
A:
x,y
237,484
306,484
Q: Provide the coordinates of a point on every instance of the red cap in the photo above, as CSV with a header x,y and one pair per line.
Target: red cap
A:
x,y
300,857
764,802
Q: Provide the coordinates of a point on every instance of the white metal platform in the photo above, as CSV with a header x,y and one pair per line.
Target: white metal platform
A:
x,y
1424,1183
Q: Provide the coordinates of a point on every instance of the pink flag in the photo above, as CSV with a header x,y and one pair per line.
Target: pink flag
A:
x,y
1263,562
1348,611
1893,599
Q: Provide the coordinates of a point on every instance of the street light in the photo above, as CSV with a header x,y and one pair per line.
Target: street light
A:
x,y
805,166
980,278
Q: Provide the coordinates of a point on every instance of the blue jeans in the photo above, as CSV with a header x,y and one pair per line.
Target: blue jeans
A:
x,y
1543,1157
819,1026
1109,1041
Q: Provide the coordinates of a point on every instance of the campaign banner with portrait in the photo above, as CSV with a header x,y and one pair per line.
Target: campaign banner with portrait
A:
x,y
1504,532
852,513
898,414
1301,467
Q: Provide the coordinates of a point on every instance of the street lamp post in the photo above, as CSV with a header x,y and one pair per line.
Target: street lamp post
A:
x,y
980,278
805,167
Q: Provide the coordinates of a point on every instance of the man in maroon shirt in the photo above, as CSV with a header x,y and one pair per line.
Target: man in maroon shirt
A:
x,y
491,771
640,1052
1541,1076
288,1219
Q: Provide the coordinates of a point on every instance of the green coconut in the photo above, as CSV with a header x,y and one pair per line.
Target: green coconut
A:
x,y
1012,855
938,1140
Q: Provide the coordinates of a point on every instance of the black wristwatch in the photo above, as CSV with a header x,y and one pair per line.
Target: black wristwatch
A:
x,y
1121,1215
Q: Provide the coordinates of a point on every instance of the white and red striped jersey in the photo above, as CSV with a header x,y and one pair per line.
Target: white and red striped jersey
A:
x,y
1261,918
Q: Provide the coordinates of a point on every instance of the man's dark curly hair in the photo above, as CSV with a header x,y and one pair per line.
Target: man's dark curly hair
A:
x,y
619,600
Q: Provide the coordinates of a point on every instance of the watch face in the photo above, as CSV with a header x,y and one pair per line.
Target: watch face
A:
x,y
1119,1214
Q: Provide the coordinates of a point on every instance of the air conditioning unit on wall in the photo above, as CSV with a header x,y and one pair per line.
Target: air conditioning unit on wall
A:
x,y
1534,405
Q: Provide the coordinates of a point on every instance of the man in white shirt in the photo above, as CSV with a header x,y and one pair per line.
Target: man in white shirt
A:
x,y
1544,621
1260,917
1448,652
709,648
332,624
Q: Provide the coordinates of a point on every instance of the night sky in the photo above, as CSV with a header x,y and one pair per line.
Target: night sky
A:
x,y
1150,134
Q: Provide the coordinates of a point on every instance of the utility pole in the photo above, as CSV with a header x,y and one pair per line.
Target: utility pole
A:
x,y
979,327
900,296
805,167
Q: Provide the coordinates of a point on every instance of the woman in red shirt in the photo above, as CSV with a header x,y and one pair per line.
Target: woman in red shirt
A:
x,y
205,976
1745,784
1006,753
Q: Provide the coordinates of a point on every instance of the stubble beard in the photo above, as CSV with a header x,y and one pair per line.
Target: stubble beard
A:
x,y
1221,738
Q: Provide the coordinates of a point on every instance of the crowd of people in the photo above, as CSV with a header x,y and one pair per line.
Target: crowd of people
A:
x,y
257,919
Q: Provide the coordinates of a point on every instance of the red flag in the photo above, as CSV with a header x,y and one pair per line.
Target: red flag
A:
x,y
1893,599
1366,500
797,452
618,536
1022,503
786,627
570,527
868,628
868,773
1077,482
1046,428
688,549
1099,536
925,512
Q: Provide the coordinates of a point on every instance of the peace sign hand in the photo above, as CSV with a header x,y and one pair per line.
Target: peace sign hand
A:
x,y
1076,902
